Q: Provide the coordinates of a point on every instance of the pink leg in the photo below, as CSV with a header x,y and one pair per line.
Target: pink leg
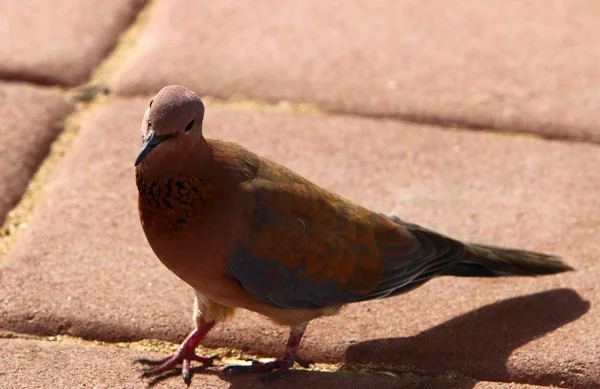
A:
x,y
184,355
277,367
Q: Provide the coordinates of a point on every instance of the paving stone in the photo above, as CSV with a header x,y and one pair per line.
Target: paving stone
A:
x,y
31,119
84,268
59,42
41,364
511,65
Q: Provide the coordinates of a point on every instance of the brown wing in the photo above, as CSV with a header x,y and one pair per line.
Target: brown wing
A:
x,y
307,247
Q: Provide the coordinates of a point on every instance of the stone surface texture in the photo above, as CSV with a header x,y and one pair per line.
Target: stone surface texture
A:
x,y
480,64
60,42
31,117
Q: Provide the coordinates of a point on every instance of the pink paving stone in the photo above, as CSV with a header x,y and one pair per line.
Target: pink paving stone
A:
x,y
101,281
511,65
30,120
60,42
41,364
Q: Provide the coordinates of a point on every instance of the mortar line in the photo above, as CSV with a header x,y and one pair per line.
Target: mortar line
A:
x,y
230,354
86,98
126,42
291,106
448,125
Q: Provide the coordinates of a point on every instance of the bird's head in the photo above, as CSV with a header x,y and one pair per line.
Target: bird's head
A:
x,y
174,115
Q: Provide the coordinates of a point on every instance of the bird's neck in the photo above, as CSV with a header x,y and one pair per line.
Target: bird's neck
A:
x,y
182,157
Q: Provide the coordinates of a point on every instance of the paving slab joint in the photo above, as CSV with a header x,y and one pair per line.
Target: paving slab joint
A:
x,y
97,84
18,217
87,97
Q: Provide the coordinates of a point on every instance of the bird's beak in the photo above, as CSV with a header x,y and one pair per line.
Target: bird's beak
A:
x,y
150,142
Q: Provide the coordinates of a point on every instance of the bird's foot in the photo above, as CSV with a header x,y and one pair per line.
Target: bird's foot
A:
x,y
170,362
272,369
183,356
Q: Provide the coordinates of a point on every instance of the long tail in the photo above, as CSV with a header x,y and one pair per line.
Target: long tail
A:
x,y
489,261
478,260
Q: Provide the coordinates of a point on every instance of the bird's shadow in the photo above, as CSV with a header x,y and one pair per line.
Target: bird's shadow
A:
x,y
478,343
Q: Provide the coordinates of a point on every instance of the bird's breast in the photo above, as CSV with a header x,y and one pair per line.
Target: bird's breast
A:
x,y
171,204
190,225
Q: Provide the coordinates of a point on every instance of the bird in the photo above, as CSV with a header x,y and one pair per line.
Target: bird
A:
x,y
248,233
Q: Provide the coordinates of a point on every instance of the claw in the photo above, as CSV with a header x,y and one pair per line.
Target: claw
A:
x,y
277,368
182,357
206,361
172,361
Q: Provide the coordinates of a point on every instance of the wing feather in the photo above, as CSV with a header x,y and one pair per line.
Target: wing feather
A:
x,y
309,248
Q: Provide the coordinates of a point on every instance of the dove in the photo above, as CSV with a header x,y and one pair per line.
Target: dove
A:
x,y
247,233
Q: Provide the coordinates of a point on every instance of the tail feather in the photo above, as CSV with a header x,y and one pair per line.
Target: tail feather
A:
x,y
478,260
489,261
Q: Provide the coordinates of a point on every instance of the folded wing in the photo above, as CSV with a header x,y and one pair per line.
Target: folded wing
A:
x,y
309,248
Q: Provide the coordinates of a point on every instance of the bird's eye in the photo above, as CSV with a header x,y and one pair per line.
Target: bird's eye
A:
x,y
150,105
189,126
